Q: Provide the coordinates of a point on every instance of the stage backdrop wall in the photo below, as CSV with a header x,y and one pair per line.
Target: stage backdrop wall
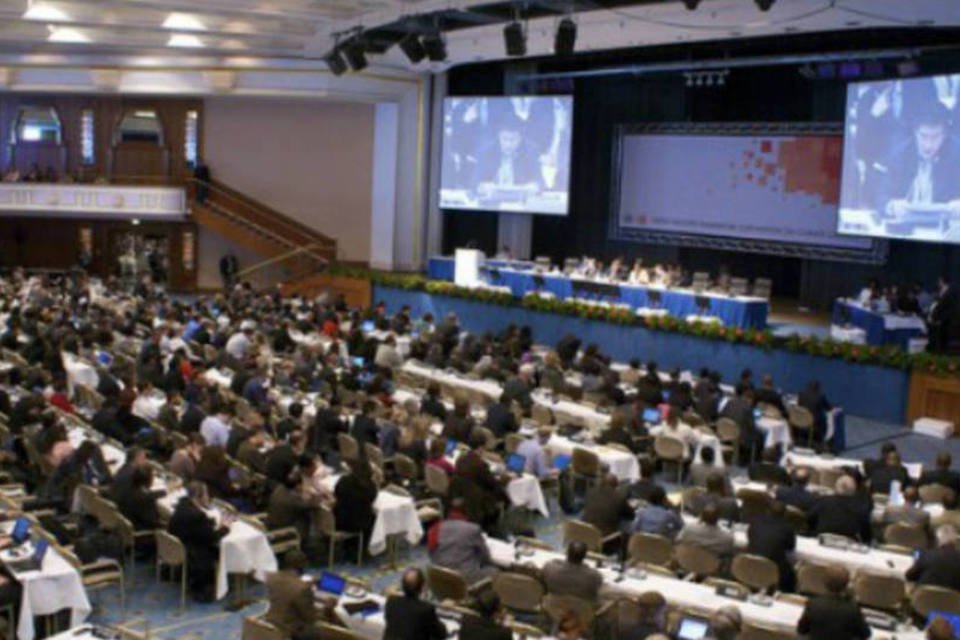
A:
x,y
760,94
871,392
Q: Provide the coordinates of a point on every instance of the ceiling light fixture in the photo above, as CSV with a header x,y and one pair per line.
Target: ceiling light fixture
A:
x,y
764,5
412,48
185,41
514,39
45,13
335,62
66,35
691,5
354,53
565,41
435,46
183,22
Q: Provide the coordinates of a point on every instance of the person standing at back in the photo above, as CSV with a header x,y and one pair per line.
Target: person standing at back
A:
x,y
410,618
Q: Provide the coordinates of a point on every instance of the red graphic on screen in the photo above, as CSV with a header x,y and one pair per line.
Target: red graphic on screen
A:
x,y
811,164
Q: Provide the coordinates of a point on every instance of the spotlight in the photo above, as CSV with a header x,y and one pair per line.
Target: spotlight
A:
x,y
411,47
566,39
335,63
691,5
434,46
353,52
514,39
764,5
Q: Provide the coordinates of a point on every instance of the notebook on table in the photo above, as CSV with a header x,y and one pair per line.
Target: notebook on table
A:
x,y
516,463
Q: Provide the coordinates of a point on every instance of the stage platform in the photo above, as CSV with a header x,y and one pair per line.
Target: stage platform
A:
x,y
878,393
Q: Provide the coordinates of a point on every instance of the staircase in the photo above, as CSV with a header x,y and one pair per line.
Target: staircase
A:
x,y
279,239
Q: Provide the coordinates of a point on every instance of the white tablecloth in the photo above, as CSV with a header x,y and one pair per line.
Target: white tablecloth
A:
x,y
396,515
525,491
853,335
56,586
245,549
621,464
79,372
218,377
795,459
776,431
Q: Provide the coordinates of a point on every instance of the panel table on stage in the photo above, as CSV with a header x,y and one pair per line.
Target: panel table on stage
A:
x,y
879,328
746,312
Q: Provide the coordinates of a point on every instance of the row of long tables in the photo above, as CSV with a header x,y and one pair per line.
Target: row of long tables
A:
x,y
746,312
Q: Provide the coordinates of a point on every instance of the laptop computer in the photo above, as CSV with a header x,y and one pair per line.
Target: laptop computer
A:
x,y
21,531
358,361
561,461
332,583
757,414
368,326
651,415
451,447
693,628
516,463
952,618
32,563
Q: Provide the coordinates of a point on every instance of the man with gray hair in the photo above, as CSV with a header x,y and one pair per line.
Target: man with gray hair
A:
x,y
941,566
845,513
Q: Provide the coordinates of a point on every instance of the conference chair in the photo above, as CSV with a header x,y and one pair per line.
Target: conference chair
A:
x,y
757,572
591,536
328,529
827,477
585,465
936,494
172,554
450,585
728,433
376,457
690,495
130,538
695,560
541,414
810,579
756,631
438,482
349,447
670,450
879,591
908,536
407,470
519,592
558,607
763,288
738,286
522,631
97,575
260,629
650,549
926,598
490,441
801,421
693,419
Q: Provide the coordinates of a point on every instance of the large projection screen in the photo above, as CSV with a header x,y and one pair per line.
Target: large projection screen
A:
x,y
901,160
506,154
775,189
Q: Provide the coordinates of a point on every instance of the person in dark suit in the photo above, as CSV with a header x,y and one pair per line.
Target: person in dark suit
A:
x,y
617,433
944,318
292,608
606,506
844,513
408,617
326,426
365,428
771,536
432,403
518,388
833,616
813,400
922,172
196,530
508,161
767,394
135,501
229,266
891,470
191,419
485,626
768,470
797,495
459,423
288,507
483,494
355,494
943,474
567,349
941,566
740,409
283,458
500,418
716,495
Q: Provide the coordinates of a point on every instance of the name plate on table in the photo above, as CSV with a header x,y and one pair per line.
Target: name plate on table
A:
x,y
732,591
602,289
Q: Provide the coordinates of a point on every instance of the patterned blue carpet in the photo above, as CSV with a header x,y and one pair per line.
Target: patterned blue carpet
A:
x,y
156,605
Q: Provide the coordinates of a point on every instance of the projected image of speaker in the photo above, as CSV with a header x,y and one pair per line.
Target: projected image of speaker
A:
x,y
901,159
506,154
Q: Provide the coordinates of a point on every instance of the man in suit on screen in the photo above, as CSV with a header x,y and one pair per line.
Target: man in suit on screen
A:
x,y
922,184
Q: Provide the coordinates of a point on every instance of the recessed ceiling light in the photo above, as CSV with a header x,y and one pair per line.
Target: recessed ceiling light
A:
x,y
185,40
64,34
45,13
183,22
